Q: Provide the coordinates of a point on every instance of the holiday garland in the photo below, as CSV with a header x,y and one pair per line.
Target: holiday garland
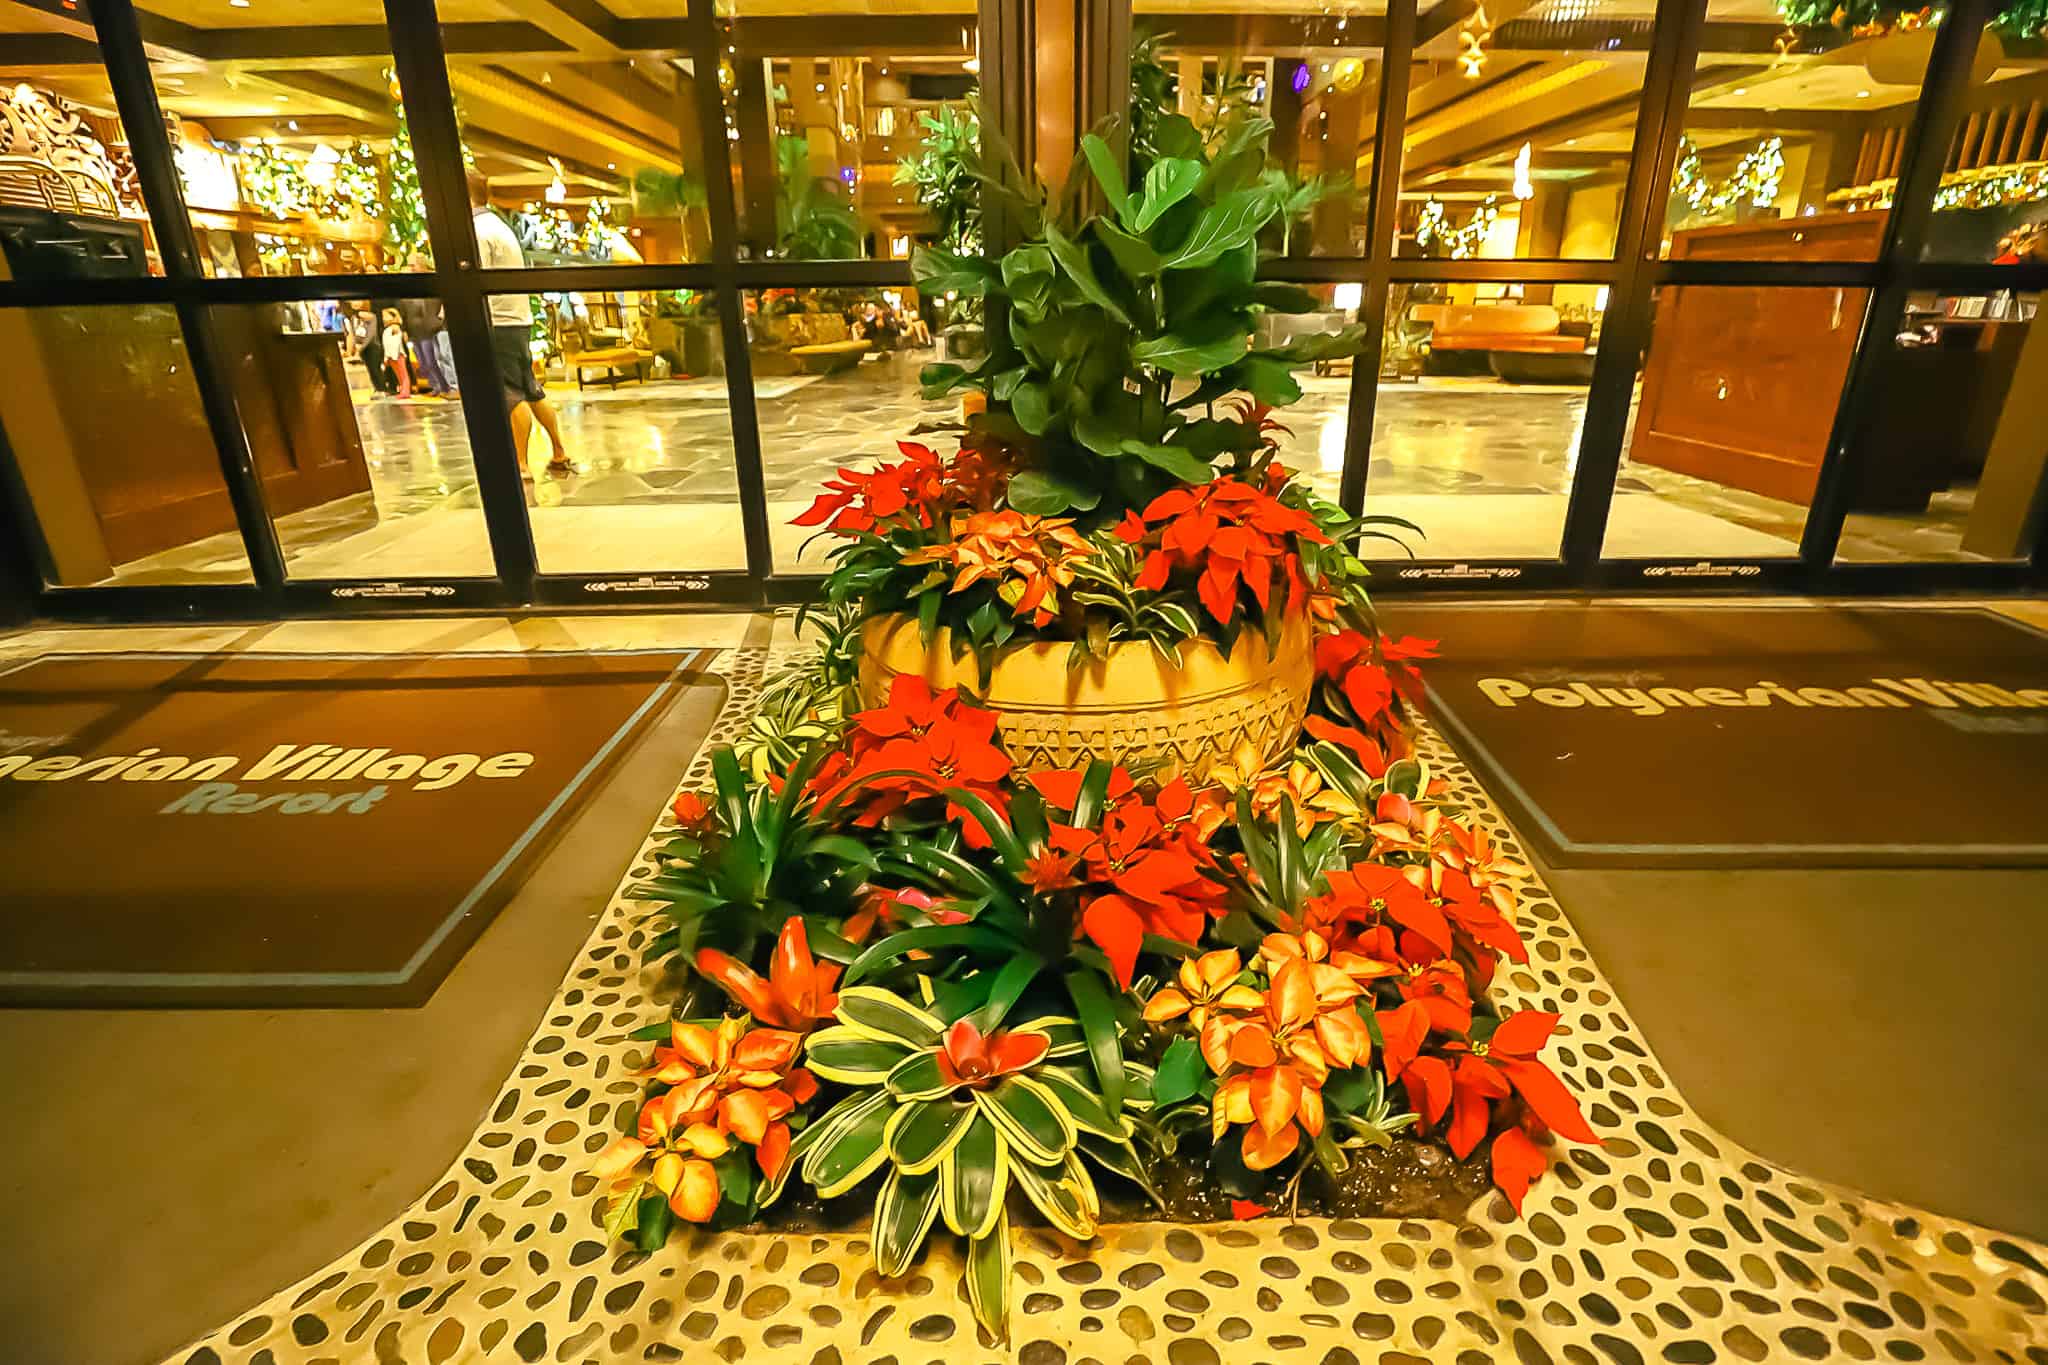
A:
x,y
1433,229
1754,182
1873,18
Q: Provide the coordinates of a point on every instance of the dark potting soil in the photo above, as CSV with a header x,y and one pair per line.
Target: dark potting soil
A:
x,y
1414,1178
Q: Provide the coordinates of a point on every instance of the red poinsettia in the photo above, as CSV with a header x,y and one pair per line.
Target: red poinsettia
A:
x,y
1139,871
906,493
921,744
1372,894
1231,534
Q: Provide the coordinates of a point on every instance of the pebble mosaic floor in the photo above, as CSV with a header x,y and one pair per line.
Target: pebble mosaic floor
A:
x,y
1668,1243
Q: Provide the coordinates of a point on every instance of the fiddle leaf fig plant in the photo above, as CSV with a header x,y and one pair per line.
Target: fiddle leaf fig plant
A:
x,y
1125,328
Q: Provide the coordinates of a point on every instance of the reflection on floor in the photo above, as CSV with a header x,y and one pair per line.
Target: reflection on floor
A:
x,y
1485,468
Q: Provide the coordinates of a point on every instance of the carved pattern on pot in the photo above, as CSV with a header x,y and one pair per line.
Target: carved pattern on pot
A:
x,y
1136,708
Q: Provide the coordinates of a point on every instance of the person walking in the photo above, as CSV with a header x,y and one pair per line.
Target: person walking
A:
x,y
394,352
511,332
426,324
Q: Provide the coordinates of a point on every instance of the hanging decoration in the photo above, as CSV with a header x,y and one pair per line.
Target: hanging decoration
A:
x,y
405,229
1472,36
1982,189
1434,234
329,185
1754,182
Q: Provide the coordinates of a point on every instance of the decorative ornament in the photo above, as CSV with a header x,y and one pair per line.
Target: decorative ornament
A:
x,y
1472,36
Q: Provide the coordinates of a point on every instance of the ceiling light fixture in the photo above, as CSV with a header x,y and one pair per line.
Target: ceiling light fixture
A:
x,y
1862,94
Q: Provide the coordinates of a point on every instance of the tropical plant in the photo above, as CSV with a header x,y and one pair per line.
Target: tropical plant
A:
x,y
944,170
960,1111
742,863
807,703
1125,329
813,221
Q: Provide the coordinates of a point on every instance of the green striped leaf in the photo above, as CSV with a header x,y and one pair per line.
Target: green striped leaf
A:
x,y
988,1277
1029,1118
924,1131
917,1078
851,1058
887,1016
904,1214
974,1179
1064,1194
850,1154
1083,1106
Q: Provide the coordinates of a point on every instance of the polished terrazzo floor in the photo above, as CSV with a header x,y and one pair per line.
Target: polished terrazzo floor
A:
x,y
1484,467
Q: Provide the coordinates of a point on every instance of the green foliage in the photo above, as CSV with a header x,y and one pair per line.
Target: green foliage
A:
x,y
808,702
1107,580
813,220
768,855
1124,329
945,169
954,1147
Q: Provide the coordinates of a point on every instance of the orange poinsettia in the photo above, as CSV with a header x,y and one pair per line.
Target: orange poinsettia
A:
x,y
1028,559
797,992
906,493
680,1150
1272,1060
1208,982
920,744
740,1079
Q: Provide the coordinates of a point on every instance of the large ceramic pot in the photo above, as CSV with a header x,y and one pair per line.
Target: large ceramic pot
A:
x,y
1133,707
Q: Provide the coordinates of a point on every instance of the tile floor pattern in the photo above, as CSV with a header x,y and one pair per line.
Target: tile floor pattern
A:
x,y
1667,1243
1489,464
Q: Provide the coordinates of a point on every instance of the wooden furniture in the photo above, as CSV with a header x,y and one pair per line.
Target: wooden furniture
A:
x,y
1524,327
291,389
1741,382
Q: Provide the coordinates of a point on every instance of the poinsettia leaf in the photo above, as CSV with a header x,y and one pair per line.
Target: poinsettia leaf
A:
x,y
622,1212
905,1210
975,1177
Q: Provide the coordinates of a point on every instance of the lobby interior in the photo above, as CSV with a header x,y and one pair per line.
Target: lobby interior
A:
x,y
1517,148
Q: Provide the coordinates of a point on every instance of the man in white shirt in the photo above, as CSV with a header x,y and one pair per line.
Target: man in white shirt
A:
x,y
512,331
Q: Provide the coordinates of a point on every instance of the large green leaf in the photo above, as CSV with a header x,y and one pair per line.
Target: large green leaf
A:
x,y
1109,173
885,1015
1132,254
852,1151
1169,180
974,1179
904,1213
1032,404
1183,355
1182,464
1275,297
1029,1118
853,1058
939,272
1044,493
988,1278
1229,223
924,1131
924,936
1101,434
1073,259
1268,379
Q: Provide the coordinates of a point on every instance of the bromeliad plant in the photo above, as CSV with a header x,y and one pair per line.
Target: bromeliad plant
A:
x,y
958,1113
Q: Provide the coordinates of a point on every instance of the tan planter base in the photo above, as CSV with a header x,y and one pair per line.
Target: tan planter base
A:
x,y
1133,708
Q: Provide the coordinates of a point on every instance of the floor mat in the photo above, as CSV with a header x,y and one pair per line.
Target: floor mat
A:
x,y
287,829
1698,736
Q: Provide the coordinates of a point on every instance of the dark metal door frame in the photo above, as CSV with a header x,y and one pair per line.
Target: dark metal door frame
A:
x,y
1633,274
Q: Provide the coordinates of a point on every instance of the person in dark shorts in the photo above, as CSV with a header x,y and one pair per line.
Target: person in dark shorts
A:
x,y
512,332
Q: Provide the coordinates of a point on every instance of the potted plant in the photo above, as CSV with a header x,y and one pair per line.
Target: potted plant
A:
x,y
1116,562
